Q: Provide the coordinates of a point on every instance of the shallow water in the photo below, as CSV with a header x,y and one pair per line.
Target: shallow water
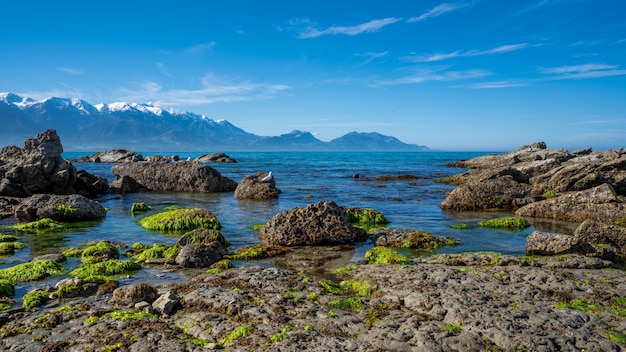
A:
x,y
304,178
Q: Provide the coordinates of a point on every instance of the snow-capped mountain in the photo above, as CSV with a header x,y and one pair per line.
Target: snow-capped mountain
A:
x,y
147,127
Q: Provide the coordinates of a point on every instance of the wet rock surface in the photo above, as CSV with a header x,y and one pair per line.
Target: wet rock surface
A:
x,y
218,157
442,303
111,156
64,208
183,176
321,223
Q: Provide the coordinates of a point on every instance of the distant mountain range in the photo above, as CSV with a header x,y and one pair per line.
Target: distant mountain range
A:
x,y
146,127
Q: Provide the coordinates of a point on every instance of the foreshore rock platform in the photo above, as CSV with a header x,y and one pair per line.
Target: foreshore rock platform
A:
x,y
465,302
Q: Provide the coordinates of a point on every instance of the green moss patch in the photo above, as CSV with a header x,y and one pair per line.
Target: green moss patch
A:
x,y
257,251
365,218
139,207
332,288
513,223
31,271
354,304
425,241
383,255
578,304
360,287
9,248
35,299
8,238
461,226
106,268
179,220
6,288
237,334
44,224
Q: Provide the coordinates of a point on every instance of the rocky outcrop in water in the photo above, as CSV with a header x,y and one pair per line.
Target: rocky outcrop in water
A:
x,y
111,156
255,187
218,157
38,167
544,183
321,223
183,176
63,208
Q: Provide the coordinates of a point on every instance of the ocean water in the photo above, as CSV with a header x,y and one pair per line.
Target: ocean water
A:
x,y
304,178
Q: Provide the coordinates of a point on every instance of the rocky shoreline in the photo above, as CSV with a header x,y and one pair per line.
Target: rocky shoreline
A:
x,y
567,294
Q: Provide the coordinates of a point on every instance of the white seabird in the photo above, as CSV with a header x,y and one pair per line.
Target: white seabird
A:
x,y
188,158
267,178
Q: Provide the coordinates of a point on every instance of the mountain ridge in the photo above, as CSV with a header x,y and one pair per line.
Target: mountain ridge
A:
x,y
144,126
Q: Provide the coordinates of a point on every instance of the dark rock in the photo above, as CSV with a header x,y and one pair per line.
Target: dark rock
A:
x,y
411,239
132,294
7,206
218,157
254,187
36,168
90,185
126,184
70,208
178,177
321,223
199,255
111,156
545,243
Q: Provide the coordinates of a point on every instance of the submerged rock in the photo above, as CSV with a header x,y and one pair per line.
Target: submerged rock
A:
x,y
111,156
321,223
176,177
218,157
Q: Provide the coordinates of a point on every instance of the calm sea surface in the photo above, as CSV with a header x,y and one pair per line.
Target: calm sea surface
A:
x,y
303,178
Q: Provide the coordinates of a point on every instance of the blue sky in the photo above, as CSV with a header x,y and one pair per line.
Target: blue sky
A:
x,y
485,75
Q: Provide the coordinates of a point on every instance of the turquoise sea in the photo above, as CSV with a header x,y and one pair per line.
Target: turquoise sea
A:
x,y
303,178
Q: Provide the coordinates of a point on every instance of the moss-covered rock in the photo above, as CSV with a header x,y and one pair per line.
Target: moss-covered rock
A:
x,y
8,238
31,271
202,235
157,251
384,255
106,268
9,248
365,218
6,288
100,251
35,299
511,223
179,220
411,239
139,207
257,251
45,224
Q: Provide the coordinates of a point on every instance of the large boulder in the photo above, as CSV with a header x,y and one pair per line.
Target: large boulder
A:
x,y
36,168
598,203
90,185
183,176
315,224
111,156
605,236
261,185
200,255
64,208
492,193
546,243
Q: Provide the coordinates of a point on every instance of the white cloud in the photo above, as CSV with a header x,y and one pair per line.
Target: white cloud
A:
x,y
428,75
368,27
495,85
439,10
371,56
200,48
70,70
214,90
438,57
586,71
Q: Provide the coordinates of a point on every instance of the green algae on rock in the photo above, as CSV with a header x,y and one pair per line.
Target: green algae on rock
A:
x,y
384,255
103,269
157,251
35,299
512,223
45,224
139,207
257,251
180,219
412,239
31,271
365,218
6,288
